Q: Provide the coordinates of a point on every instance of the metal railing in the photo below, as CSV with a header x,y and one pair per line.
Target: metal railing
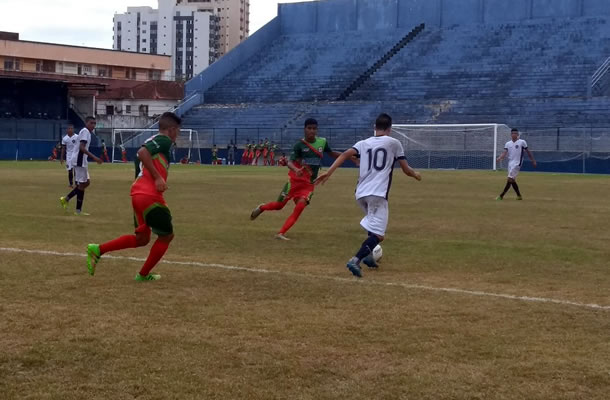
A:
x,y
599,75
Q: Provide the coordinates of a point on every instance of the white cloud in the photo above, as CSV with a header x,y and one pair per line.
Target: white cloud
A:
x,y
89,23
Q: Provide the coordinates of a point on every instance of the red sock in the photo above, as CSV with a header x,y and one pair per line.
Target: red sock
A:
x,y
124,242
273,206
294,217
157,251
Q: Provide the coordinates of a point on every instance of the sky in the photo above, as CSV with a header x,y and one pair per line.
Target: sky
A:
x,y
89,22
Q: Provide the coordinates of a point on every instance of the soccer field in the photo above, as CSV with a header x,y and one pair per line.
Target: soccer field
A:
x,y
475,298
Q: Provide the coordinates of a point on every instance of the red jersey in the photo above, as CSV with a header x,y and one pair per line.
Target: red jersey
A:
x,y
159,148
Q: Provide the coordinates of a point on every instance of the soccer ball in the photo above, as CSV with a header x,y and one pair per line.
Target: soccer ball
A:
x,y
377,253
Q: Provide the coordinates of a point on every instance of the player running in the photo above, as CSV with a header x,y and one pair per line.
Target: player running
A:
x,y
105,157
514,148
81,167
69,144
150,209
377,157
272,154
304,164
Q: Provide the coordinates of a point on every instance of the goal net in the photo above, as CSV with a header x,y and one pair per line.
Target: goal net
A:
x,y
127,142
462,146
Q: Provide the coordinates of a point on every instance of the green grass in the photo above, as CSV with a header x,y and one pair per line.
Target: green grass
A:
x,y
308,330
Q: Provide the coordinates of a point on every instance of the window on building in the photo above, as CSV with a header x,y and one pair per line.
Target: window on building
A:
x,y
109,110
127,109
102,71
143,48
143,110
12,64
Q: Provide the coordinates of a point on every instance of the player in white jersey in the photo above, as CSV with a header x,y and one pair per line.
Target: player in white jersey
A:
x,y
514,149
378,155
69,144
81,167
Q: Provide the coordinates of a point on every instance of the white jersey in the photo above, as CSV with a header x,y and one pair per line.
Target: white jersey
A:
x,y
515,151
377,157
71,145
81,159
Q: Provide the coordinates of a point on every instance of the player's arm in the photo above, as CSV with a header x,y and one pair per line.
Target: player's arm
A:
x,y
83,149
529,154
404,165
346,155
63,150
146,160
504,153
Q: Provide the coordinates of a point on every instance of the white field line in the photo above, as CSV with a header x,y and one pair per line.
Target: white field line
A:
x,y
331,278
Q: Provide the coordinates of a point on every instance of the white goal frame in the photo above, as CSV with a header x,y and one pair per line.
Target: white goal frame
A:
x,y
495,127
141,135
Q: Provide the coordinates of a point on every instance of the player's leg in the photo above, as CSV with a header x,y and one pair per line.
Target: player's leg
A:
x,y
514,173
83,183
302,194
71,176
375,223
301,204
516,187
140,238
274,205
159,218
506,189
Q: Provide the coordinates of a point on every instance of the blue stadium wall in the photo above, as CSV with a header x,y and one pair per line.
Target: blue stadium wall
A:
x,y
348,15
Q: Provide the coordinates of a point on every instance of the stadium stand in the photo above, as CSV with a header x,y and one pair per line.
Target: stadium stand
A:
x,y
529,65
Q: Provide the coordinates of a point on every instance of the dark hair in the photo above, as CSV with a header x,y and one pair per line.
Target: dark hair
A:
x,y
514,130
169,120
89,119
310,121
383,122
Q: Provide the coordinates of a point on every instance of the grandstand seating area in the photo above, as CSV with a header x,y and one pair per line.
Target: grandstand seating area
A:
x,y
532,73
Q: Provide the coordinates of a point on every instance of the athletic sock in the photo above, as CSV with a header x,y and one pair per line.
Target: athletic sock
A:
x,y
294,217
273,206
70,177
80,197
367,247
73,193
157,251
516,187
124,242
506,189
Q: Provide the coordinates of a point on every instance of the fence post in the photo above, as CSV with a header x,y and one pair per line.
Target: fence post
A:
x,y
584,152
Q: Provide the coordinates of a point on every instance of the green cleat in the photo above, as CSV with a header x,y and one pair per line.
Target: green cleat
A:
x,y
93,256
519,198
81,214
149,277
499,198
64,203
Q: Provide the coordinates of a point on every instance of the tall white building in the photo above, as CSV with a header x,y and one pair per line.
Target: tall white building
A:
x,y
234,19
187,31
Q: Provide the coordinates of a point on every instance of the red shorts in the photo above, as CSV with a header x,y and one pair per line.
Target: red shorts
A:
x,y
295,190
151,214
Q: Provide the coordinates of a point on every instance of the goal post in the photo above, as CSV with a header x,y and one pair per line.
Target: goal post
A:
x,y
126,142
452,146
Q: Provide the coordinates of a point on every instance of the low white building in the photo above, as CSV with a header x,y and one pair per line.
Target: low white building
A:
x,y
189,32
138,105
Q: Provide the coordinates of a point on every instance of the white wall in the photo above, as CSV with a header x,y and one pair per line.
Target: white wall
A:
x,y
201,51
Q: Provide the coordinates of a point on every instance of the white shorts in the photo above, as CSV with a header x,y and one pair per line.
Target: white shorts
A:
x,y
81,174
513,171
69,166
376,210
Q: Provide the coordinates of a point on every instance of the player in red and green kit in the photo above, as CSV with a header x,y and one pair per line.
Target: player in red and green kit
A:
x,y
304,165
150,210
